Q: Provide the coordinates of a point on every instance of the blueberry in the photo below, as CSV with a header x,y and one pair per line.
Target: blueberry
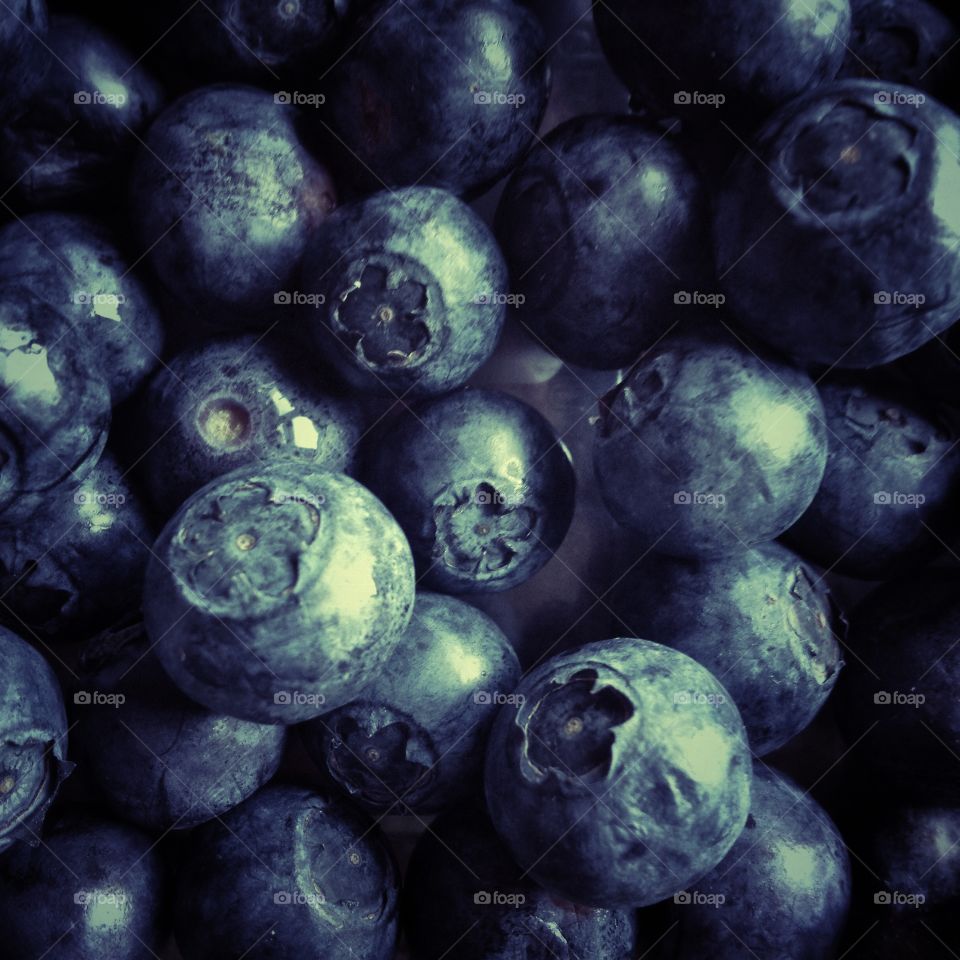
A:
x,y
443,93
23,60
74,263
80,128
33,740
708,446
390,306
759,619
621,775
725,59
465,897
56,406
906,42
286,875
415,738
602,226
225,196
897,698
94,888
241,401
893,471
480,484
782,891
834,239
78,563
277,592
159,759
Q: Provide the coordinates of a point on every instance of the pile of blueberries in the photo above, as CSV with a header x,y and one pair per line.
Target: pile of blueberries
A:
x,y
479,480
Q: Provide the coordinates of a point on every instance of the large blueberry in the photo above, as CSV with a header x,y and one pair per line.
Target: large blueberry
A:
x,y
783,890
94,888
896,701
446,93
415,738
481,485
244,400
33,739
621,774
725,59
887,500
277,592
389,304
74,263
80,128
23,60
286,875
464,896
55,410
837,237
902,41
78,563
708,446
159,759
603,226
759,619
224,196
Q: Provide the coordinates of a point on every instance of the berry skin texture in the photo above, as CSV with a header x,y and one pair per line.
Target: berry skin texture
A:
x,y
760,620
33,740
159,759
398,314
277,592
444,93
415,738
56,406
241,401
707,446
602,226
286,875
756,54
94,888
77,564
73,263
82,124
480,484
23,60
835,241
621,776
886,502
464,896
225,197
785,884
